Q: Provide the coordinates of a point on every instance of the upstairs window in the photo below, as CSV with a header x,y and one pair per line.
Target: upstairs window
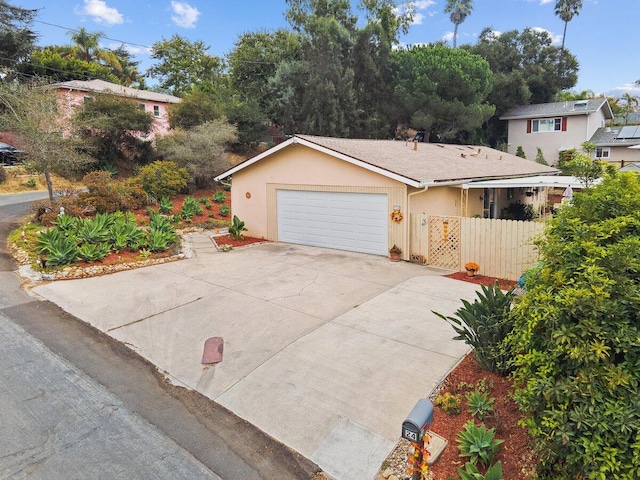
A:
x,y
603,152
546,125
156,110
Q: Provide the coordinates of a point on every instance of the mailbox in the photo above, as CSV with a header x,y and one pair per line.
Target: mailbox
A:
x,y
418,421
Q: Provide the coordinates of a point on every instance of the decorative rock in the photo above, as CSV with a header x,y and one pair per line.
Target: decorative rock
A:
x,y
387,473
393,477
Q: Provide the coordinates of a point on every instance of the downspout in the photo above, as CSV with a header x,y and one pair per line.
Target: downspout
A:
x,y
408,228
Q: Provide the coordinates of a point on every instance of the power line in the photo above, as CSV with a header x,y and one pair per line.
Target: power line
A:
x,y
100,36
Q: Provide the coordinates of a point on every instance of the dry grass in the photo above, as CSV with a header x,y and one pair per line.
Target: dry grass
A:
x,y
18,178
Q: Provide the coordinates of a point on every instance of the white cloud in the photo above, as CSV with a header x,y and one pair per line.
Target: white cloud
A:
x,y
132,49
630,88
555,39
544,2
447,37
417,19
423,4
101,13
185,15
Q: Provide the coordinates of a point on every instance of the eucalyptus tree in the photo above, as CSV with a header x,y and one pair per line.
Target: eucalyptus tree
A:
x,y
16,36
458,11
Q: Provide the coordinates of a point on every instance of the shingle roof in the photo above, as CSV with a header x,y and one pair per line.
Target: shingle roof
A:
x,y
100,86
429,163
606,137
574,107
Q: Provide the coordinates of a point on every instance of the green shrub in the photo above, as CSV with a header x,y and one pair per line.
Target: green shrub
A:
x,y
478,443
163,179
94,230
577,334
236,228
484,324
449,403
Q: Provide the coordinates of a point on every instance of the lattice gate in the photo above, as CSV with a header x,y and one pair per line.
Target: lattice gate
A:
x,y
444,242
436,241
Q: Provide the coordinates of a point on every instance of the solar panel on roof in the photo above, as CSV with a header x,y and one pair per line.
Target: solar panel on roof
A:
x,y
632,131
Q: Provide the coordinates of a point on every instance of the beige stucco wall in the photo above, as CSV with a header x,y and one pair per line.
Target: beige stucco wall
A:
x,y
296,167
620,154
580,128
436,201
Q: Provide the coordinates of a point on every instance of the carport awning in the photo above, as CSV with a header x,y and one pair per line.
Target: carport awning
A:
x,y
551,181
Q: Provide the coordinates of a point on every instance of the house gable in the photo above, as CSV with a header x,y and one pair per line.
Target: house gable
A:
x,y
554,127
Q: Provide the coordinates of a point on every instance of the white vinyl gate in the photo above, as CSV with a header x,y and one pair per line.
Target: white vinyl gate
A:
x,y
357,222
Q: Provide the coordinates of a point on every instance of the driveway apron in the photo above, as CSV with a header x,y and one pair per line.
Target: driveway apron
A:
x,y
326,351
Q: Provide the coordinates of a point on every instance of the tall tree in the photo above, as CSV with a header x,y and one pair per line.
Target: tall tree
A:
x,y
631,103
32,112
256,57
458,11
566,10
87,48
442,91
16,36
55,64
183,65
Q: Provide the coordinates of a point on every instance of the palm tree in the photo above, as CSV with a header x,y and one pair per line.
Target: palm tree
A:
x,y
87,48
459,10
631,105
566,10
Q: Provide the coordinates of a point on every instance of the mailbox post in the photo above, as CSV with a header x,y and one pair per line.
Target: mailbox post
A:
x,y
414,429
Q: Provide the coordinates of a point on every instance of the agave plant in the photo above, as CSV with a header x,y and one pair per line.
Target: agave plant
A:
x,y
484,324
159,240
93,230
478,443
219,197
91,252
470,472
190,208
66,223
166,206
62,251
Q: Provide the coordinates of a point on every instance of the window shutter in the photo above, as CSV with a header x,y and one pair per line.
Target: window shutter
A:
x,y
529,126
564,124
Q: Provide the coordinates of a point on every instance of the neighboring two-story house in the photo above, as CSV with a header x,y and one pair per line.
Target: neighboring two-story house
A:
x,y
75,92
554,127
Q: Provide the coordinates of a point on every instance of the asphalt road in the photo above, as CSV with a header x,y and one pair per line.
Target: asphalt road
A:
x,y
75,403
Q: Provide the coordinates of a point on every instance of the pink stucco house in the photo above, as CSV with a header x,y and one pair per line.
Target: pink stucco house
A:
x,y
76,92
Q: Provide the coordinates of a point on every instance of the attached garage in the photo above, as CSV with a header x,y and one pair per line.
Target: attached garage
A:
x,y
359,194
342,220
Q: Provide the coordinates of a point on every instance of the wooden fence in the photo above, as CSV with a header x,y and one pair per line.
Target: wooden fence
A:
x,y
502,248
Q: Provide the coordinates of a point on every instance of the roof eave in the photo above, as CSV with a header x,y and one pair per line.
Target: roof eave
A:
x,y
301,141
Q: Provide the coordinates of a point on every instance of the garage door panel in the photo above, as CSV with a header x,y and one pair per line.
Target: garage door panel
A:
x,y
347,221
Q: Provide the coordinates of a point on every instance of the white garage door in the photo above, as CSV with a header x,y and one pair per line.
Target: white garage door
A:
x,y
347,221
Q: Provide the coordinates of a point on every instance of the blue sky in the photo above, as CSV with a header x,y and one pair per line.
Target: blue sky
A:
x,y
605,36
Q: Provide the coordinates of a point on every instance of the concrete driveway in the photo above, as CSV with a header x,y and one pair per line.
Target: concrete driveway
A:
x,y
326,351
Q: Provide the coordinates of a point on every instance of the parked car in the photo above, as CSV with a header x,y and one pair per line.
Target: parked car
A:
x,y
10,155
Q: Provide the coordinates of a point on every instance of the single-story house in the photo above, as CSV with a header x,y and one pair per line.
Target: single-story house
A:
x,y
358,195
